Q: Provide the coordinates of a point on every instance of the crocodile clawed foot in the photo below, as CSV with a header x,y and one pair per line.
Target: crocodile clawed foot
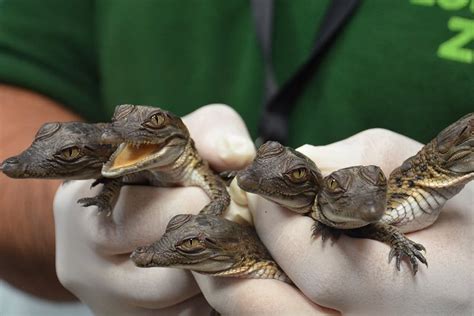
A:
x,y
228,176
101,180
410,249
326,232
102,205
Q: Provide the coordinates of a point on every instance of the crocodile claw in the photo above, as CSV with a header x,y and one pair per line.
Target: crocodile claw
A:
x,y
102,205
410,249
228,176
325,231
100,180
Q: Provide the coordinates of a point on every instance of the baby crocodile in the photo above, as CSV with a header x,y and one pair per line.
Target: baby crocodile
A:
x,y
158,142
69,151
420,187
350,200
282,175
210,245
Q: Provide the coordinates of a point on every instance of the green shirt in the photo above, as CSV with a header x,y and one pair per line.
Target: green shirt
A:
x,y
403,65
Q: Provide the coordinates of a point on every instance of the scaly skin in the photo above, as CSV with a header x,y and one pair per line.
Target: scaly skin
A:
x,y
69,151
282,175
157,143
420,187
350,200
400,245
210,245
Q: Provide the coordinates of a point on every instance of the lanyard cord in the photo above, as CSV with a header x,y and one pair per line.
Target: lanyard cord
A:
x,y
279,103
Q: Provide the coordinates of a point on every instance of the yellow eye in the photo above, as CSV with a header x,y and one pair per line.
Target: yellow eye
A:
x,y
191,244
332,184
299,175
70,153
156,120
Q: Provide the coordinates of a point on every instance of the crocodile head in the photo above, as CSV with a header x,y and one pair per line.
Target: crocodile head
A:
x,y
353,197
70,150
202,243
282,175
453,148
149,138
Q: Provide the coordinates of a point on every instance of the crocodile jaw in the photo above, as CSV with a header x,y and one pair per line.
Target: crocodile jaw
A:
x,y
130,158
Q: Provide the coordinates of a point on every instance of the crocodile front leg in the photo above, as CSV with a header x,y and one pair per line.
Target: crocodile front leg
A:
x,y
228,176
216,207
400,244
105,199
201,175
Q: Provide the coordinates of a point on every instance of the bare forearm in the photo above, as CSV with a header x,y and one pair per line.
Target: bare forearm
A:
x,y
27,228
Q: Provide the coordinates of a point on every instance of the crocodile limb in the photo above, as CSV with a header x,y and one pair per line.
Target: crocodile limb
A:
x,y
106,197
210,245
420,187
68,151
341,202
157,143
400,245
354,199
228,176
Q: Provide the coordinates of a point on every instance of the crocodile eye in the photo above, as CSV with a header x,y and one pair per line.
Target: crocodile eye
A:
x,y
299,175
155,121
70,153
333,185
191,245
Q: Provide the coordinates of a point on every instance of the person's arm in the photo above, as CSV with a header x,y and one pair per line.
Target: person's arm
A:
x,y
27,252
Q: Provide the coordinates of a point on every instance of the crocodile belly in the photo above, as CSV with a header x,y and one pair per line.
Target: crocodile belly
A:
x,y
416,211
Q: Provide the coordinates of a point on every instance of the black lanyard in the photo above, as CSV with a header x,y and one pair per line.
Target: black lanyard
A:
x,y
279,103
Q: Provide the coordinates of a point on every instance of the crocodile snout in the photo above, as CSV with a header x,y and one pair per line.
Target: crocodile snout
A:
x,y
142,256
111,136
247,181
372,210
11,167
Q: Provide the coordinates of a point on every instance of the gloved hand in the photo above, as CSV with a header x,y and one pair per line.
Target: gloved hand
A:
x,y
93,250
353,275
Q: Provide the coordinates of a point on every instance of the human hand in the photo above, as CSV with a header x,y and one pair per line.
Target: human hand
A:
x,y
353,275
93,250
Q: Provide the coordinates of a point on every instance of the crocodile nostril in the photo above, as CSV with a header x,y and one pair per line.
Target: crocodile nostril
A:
x,y
245,179
372,211
140,249
111,136
9,162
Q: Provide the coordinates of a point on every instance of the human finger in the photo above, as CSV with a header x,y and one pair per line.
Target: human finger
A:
x,y
221,136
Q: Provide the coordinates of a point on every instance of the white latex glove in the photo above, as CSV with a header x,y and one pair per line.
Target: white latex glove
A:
x,y
92,251
353,275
